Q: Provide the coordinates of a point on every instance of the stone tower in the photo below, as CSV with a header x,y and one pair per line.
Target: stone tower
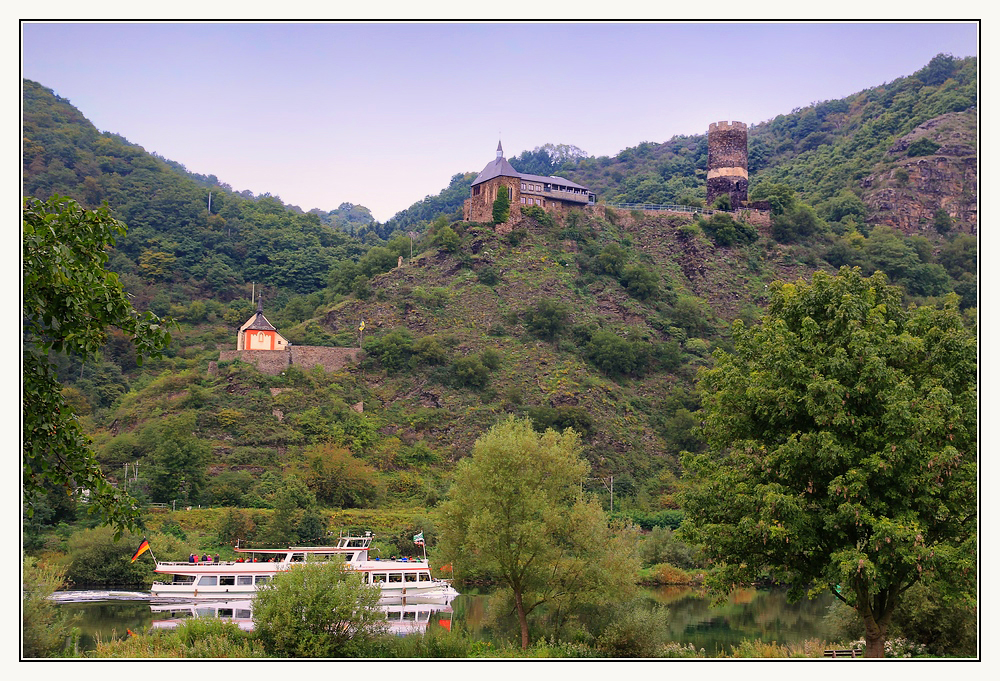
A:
x,y
727,162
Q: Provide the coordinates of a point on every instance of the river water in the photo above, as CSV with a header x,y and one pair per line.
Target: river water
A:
x,y
691,617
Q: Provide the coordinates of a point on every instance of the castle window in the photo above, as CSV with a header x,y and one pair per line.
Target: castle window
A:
x,y
523,186
522,199
510,193
475,190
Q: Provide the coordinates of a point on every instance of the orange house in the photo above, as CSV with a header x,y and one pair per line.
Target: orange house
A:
x,y
258,333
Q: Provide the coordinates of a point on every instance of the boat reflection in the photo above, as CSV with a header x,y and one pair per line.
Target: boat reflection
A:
x,y
403,616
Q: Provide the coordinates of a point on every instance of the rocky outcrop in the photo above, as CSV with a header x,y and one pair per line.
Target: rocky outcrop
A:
x,y
906,192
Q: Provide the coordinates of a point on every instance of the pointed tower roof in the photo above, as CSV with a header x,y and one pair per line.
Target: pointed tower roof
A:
x,y
260,322
498,168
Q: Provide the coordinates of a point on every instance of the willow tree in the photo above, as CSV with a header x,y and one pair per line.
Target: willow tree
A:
x,y
842,434
516,512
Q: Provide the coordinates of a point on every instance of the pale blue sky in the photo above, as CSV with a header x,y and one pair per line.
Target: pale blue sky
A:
x,y
384,114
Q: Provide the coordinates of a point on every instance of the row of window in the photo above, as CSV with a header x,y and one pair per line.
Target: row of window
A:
x,y
397,577
249,580
532,202
529,187
223,580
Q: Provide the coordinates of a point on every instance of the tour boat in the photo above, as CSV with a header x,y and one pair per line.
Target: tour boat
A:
x,y
401,619
234,579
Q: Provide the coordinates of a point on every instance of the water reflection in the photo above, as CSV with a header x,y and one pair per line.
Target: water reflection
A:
x,y
690,616
403,616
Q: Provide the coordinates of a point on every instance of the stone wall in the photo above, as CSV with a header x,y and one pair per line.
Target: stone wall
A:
x,y
306,357
479,208
273,362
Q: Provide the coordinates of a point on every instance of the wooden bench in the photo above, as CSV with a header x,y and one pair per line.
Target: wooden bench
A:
x,y
841,653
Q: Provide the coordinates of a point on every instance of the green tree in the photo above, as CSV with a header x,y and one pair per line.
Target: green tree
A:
x,y
501,205
70,302
515,512
337,478
842,435
317,610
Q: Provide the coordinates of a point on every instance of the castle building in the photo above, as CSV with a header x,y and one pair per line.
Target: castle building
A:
x,y
727,162
551,193
258,333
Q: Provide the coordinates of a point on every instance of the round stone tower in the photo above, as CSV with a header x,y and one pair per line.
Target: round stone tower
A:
x,y
727,162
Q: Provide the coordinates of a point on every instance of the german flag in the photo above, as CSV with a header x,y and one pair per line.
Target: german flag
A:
x,y
144,546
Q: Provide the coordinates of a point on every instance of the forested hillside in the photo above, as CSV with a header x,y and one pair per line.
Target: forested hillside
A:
x,y
598,321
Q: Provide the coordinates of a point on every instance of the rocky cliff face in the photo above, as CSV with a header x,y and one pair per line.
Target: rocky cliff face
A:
x,y
905,192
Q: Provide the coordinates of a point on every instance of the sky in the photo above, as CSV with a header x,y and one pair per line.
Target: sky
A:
x,y
384,114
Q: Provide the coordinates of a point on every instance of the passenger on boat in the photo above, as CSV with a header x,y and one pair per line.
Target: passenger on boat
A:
x,y
206,559
191,558
216,558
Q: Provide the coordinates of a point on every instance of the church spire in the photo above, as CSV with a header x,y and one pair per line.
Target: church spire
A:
x,y
499,151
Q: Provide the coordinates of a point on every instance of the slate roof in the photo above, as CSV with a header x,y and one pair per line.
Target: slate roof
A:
x,y
497,168
551,179
260,324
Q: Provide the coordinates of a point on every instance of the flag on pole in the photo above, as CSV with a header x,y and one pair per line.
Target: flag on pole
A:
x,y
144,546
418,539
362,326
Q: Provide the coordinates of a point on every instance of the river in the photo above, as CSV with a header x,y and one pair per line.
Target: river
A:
x,y
691,617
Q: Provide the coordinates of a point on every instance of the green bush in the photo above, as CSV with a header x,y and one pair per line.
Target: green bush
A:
x,y
317,610
488,276
393,350
663,546
640,282
922,147
617,356
547,319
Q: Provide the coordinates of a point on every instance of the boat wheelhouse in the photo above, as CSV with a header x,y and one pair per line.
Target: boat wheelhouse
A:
x,y
256,567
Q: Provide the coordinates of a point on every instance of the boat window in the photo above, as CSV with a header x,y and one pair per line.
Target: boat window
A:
x,y
183,579
263,579
410,616
204,612
244,580
425,576
225,612
208,580
298,557
395,577
392,615
227,580
378,578
410,576
243,614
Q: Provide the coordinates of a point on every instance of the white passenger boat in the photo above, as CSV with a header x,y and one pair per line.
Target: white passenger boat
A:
x,y
403,578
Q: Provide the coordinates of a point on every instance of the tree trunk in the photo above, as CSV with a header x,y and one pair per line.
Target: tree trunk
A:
x,y
875,637
522,618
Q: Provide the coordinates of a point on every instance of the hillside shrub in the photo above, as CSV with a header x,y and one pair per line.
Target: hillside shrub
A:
x,y
392,351
202,637
470,372
922,147
547,319
640,282
489,275
610,261
725,231
616,356
539,215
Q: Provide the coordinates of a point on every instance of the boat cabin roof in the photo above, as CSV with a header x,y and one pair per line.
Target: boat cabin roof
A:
x,y
344,544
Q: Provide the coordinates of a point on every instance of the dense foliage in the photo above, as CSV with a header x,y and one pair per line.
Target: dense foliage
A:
x,y
70,303
843,448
